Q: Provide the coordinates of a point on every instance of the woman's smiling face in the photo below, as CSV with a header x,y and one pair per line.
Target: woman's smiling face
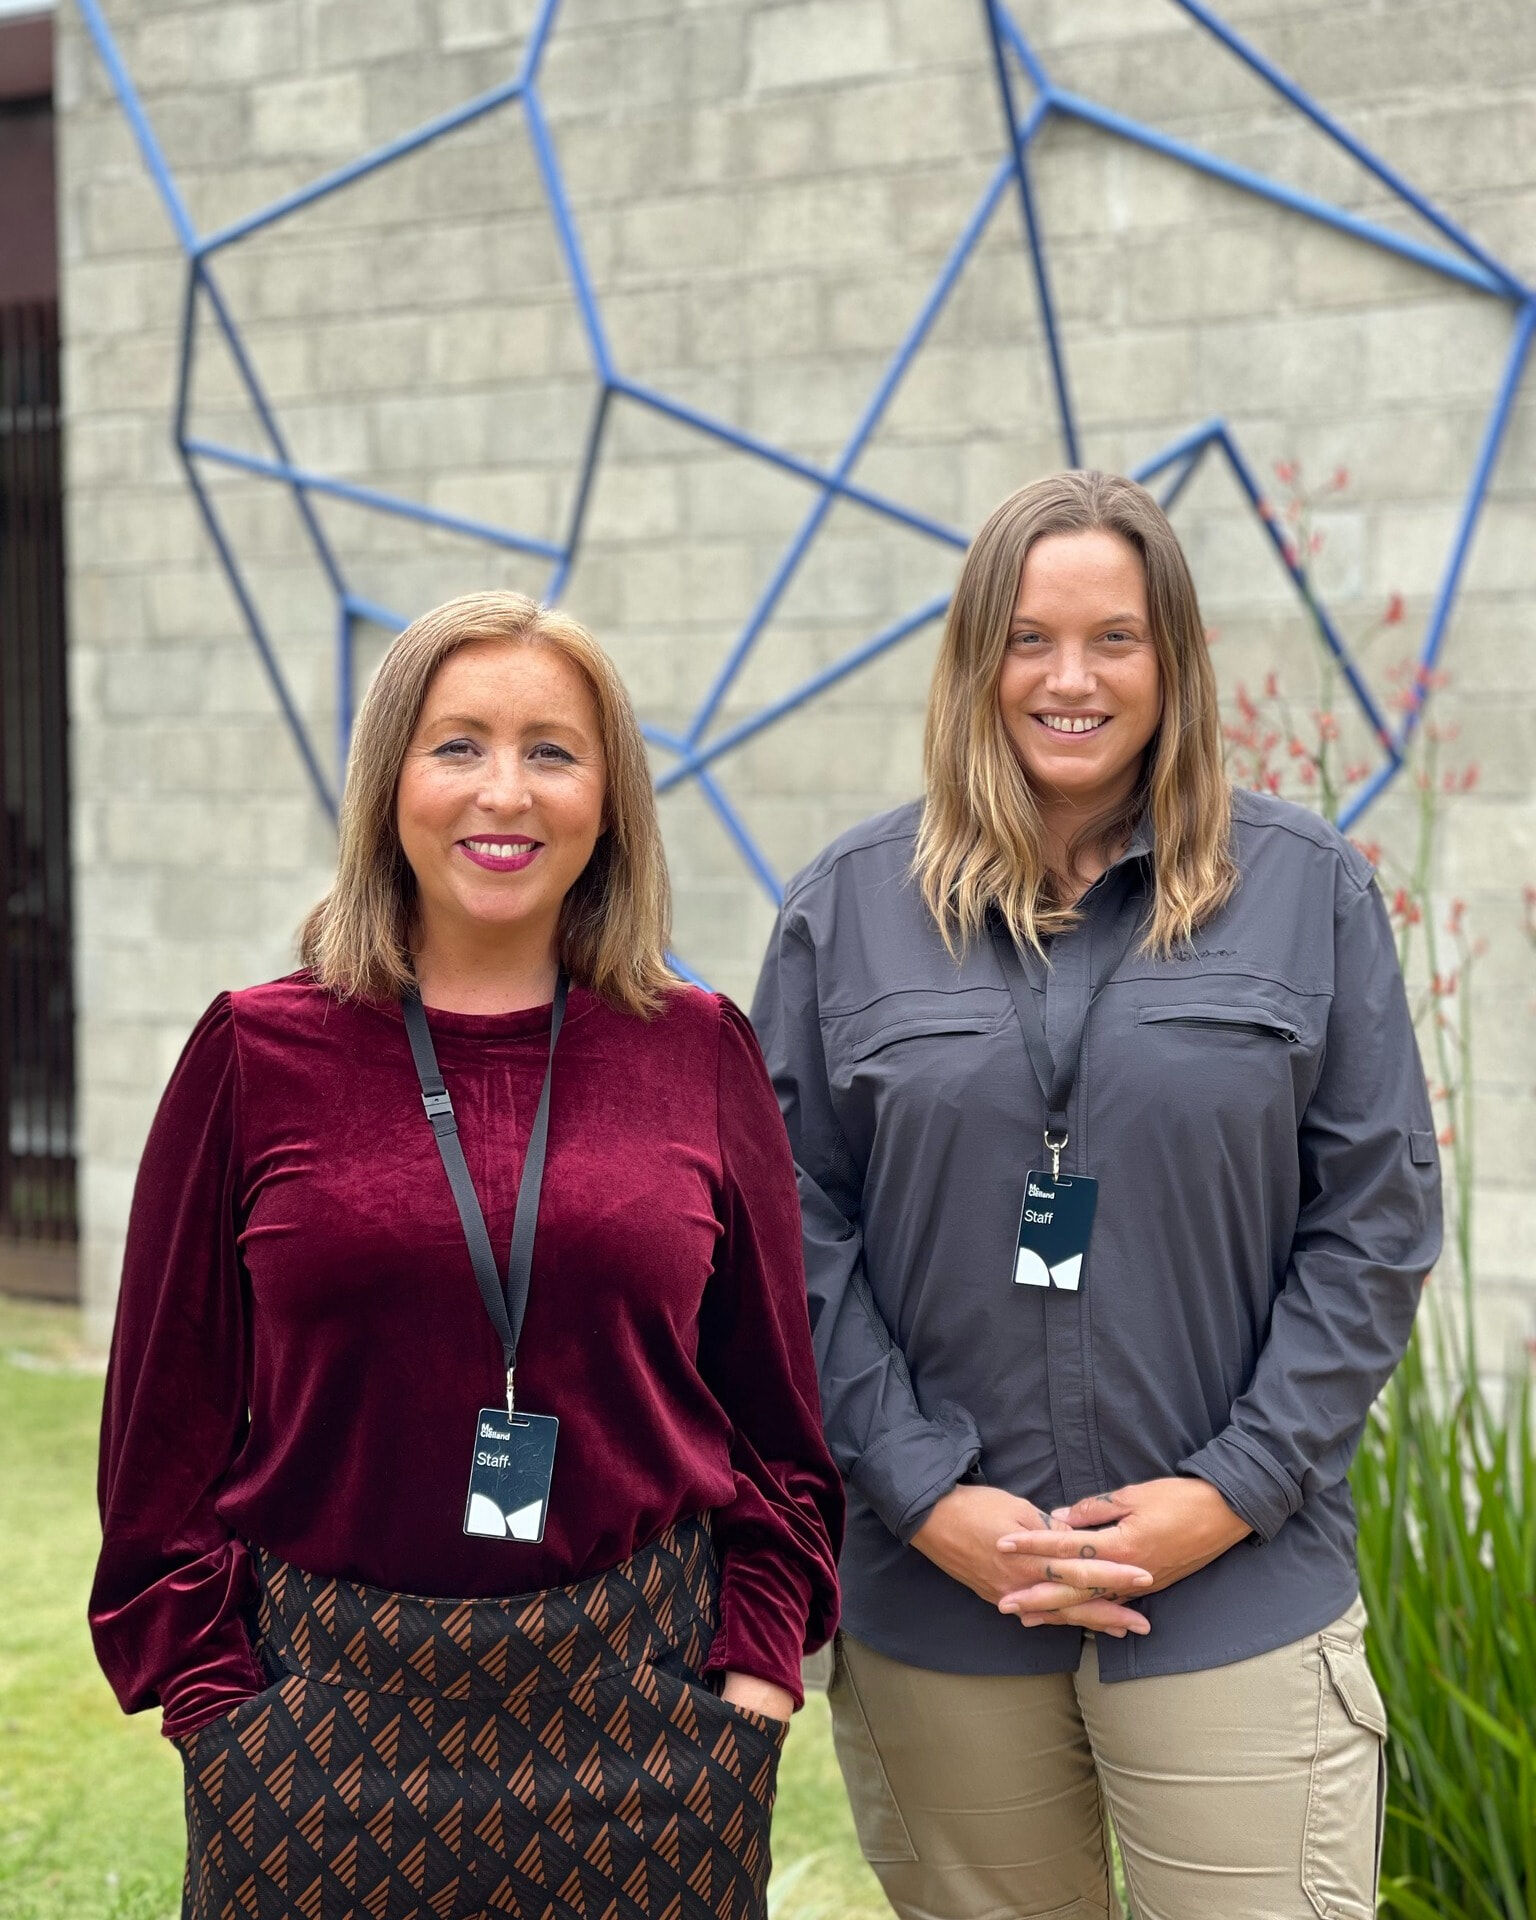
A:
x,y
500,799
1080,690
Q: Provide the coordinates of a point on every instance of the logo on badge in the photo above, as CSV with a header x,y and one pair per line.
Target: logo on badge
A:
x,y
486,1518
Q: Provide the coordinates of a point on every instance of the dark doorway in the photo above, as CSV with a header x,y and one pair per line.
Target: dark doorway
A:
x,y
37,1081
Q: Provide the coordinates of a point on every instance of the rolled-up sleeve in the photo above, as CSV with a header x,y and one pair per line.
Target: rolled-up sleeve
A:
x,y
897,1458
1367,1234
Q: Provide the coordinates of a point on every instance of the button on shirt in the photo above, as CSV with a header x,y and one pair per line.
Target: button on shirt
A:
x,y
1255,1113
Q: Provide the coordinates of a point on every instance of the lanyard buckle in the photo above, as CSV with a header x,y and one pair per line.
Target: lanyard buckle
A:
x,y
1054,1142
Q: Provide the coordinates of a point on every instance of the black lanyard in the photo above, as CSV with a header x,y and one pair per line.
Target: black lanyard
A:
x,y
1056,1069
506,1310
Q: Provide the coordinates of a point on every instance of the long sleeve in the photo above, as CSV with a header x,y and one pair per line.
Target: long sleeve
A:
x,y
1368,1232
894,1455
778,1537
171,1582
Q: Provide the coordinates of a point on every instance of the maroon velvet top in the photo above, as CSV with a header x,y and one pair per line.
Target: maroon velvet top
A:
x,y
301,1349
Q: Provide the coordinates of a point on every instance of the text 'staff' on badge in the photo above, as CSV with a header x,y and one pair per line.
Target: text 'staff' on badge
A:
x,y
509,1479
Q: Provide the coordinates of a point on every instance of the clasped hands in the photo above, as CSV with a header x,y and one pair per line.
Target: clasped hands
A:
x,y
1079,1565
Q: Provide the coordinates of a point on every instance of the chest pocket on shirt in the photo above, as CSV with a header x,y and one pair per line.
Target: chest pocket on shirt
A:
x,y
1235,1055
1202,1013
918,1052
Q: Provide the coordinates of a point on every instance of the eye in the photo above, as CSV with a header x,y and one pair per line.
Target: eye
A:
x,y
454,750
1025,637
547,750
1120,634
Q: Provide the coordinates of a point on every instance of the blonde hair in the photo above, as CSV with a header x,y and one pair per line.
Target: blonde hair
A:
x,y
614,922
981,845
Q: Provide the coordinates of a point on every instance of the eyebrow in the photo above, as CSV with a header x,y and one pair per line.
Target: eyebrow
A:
x,y
1109,620
475,722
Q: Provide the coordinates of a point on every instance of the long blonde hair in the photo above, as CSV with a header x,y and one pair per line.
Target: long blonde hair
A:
x,y
614,923
981,845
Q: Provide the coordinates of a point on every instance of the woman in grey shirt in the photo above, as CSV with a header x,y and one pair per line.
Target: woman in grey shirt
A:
x,y
1119,1186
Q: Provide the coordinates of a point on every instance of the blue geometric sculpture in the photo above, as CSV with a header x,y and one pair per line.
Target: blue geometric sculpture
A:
x,y
697,751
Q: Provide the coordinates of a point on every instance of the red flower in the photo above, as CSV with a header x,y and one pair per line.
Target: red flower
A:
x,y
1314,543
1340,479
1458,913
1447,1136
1286,472
1394,612
1271,685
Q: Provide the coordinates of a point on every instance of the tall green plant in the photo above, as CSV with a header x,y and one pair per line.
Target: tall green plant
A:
x,y
1445,1480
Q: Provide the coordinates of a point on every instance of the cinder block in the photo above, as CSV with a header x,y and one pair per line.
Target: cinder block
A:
x,y
847,218
344,34
813,42
320,115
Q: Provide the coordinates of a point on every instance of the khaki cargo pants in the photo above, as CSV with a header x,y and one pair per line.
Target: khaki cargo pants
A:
x,y
1247,1792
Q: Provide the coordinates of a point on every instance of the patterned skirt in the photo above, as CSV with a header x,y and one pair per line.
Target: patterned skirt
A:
x,y
543,1757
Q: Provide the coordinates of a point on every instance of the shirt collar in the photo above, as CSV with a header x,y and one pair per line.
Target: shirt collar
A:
x,y
1142,843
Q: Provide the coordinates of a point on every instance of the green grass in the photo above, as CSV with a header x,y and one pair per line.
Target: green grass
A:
x,y
90,1802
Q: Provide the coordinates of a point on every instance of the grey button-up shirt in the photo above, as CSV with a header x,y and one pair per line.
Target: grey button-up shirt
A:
x,y
1256,1116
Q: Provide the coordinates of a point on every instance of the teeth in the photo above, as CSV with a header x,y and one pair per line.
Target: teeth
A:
x,y
499,849
1061,724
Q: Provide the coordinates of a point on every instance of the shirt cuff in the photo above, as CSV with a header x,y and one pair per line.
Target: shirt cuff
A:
x,y
1253,1484
762,1626
908,1470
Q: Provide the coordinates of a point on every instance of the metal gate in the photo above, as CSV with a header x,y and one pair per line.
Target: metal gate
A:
x,y
37,1078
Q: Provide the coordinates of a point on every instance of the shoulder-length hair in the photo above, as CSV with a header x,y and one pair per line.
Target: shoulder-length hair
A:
x,y
614,924
981,845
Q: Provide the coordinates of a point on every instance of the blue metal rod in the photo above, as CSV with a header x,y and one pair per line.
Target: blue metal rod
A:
x,y
1292,198
916,333
371,497
1321,618
1029,60
745,845
1472,506
1019,139
682,968
700,757
185,336
570,245
375,614
143,133
578,514
1320,117
359,169
660,737
343,691
258,633
1181,480
775,456
533,53
1195,441
258,399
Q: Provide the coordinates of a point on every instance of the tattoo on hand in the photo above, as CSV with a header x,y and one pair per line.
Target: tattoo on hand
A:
x,y
1089,1553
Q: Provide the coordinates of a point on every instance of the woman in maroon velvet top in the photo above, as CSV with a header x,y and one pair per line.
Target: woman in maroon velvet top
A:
x,y
302,1354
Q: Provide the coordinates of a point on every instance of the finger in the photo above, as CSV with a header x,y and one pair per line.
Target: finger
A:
x,y
1098,1616
1097,1510
1112,1576
1108,1543
1048,1596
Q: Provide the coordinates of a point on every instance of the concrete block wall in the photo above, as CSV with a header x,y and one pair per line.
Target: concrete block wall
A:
x,y
765,192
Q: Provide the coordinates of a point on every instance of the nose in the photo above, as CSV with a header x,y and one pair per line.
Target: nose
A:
x,y
505,788
1070,675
